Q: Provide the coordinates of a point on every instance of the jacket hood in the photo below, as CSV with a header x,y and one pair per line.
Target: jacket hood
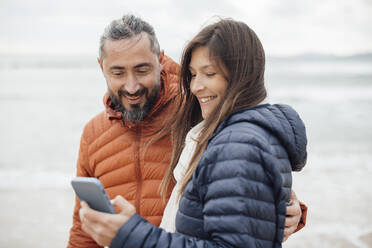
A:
x,y
283,122
168,91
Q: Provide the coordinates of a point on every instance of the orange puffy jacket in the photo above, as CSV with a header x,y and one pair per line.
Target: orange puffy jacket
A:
x,y
116,153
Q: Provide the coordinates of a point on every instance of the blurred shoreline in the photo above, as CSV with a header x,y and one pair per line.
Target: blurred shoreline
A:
x,y
17,61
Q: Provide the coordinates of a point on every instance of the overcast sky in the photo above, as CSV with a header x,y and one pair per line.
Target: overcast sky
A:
x,y
285,27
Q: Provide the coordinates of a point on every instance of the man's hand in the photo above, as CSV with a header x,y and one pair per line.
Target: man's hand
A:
x,y
293,216
103,227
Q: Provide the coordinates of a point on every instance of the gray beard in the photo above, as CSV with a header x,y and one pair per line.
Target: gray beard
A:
x,y
137,114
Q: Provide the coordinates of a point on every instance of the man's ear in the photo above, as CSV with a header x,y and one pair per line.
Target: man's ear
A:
x,y
161,58
100,63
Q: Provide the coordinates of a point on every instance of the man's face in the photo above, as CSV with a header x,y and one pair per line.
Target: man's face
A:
x,y
132,72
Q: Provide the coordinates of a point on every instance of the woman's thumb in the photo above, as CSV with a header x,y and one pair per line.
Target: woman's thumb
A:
x,y
121,204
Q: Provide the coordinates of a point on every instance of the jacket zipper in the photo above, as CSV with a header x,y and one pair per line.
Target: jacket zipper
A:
x,y
138,171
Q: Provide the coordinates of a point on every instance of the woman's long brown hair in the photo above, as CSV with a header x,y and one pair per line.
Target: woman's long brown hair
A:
x,y
236,50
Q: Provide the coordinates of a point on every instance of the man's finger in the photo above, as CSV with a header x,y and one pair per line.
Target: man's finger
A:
x,y
294,208
290,221
289,230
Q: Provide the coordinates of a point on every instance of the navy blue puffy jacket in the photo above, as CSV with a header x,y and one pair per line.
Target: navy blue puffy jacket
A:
x,y
238,193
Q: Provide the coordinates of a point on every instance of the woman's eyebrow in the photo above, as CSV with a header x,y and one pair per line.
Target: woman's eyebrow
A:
x,y
203,67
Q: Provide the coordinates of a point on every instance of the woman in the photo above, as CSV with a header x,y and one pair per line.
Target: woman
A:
x,y
235,187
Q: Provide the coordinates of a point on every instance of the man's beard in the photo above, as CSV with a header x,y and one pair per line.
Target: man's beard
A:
x,y
136,114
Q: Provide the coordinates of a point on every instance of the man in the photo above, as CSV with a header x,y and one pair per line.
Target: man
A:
x,y
120,146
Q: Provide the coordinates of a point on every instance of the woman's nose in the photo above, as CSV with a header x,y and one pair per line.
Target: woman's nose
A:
x,y
196,85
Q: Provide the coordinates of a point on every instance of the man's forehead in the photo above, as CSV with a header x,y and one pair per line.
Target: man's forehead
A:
x,y
140,41
133,50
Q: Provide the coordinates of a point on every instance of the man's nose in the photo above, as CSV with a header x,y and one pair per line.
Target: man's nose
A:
x,y
132,85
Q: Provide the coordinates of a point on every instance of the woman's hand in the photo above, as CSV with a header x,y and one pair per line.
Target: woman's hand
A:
x,y
102,227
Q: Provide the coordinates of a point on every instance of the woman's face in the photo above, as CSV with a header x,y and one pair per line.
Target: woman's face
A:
x,y
208,83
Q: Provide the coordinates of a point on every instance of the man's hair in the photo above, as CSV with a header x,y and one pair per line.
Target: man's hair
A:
x,y
127,27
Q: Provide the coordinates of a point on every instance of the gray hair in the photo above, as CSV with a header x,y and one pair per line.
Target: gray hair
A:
x,y
127,27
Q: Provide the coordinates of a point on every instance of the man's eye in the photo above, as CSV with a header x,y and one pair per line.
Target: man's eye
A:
x,y
117,73
142,71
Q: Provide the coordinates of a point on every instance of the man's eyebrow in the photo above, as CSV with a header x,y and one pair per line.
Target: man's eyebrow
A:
x,y
143,65
117,67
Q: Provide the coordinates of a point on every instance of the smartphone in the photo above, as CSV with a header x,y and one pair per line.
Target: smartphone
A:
x,y
90,190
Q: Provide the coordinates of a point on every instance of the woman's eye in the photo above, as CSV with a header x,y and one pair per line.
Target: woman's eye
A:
x,y
193,75
211,74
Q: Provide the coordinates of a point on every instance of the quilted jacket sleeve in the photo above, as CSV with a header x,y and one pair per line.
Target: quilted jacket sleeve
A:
x,y
78,238
239,205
